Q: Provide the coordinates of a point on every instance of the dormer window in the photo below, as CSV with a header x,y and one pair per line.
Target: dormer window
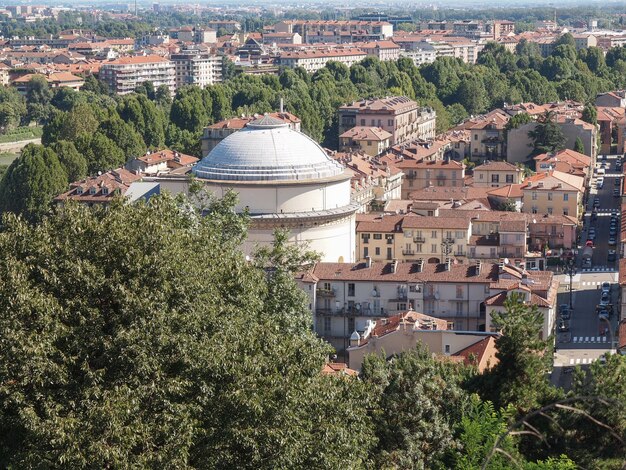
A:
x,y
79,190
92,190
105,191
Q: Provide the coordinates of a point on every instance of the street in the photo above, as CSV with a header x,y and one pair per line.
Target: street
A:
x,y
589,337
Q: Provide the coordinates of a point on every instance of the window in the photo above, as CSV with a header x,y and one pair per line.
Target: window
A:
x,y
492,252
389,254
418,248
389,239
350,324
327,286
447,348
365,237
362,122
475,136
486,288
377,251
326,324
565,196
390,122
433,248
534,195
378,236
565,212
550,210
366,252
459,234
459,308
481,176
401,307
433,234
351,289
495,178
509,178
459,292
369,143
549,196
534,209
408,233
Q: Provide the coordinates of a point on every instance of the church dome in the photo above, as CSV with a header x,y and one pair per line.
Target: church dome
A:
x,y
267,149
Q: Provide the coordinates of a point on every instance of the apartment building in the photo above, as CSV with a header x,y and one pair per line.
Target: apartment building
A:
x,y
194,67
55,80
495,174
609,119
344,297
316,31
398,115
553,193
565,161
160,162
405,331
124,74
282,38
215,133
553,232
371,140
487,135
422,54
410,237
313,60
420,174
383,50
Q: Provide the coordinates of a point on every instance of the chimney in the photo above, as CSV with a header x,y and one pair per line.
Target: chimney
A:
x,y
448,264
368,261
355,339
394,266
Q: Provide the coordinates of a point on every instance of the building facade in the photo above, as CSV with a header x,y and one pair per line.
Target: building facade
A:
x,y
194,67
123,75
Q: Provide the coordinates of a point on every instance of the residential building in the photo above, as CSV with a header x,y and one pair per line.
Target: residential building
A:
x,y
313,60
622,297
228,25
161,161
553,193
193,67
611,99
316,31
383,50
496,174
371,140
405,331
487,135
410,237
420,174
612,122
373,183
281,38
204,36
565,161
55,80
507,194
553,232
102,189
422,54
124,74
344,297
215,133
398,115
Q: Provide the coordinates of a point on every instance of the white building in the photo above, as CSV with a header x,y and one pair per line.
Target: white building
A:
x,y
313,60
284,180
124,74
196,68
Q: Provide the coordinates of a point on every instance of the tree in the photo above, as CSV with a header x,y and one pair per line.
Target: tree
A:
x,y
124,136
519,378
565,40
579,146
38,96
420,399
590,114
99,374
74,163
547,136
101,153
31,182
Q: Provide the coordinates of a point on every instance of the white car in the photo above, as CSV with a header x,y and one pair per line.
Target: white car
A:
x,y
606,287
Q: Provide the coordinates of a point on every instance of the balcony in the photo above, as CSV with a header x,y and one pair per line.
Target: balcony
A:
x,y
452,241
419,239
408,252
321,292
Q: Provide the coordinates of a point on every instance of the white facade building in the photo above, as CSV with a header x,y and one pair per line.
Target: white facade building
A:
x,y
284,180
194,67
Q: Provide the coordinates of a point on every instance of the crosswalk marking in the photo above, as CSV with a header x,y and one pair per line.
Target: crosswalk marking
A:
x,y
589,339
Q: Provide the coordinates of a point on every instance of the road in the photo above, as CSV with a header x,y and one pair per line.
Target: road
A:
x,y
17,146
589,337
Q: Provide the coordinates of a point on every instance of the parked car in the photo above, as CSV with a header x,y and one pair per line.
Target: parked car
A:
x,y
616,181
564,311
616,192
589,243
606,287
596,203
600,183
563,326
612,240
604,314
613,231
605,299
612,256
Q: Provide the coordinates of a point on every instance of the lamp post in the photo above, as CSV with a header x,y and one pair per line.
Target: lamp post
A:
x,y
570,270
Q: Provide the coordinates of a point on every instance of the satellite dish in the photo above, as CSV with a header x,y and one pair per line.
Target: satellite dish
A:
x,y
436,295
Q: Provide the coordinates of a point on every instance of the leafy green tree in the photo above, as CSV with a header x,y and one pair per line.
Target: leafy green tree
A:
x,y
457,113
12,108
74,163
124,136
31,182
571,90
590,114
519,378
579,146
565,40
38,96
101,153
148,120
65,98
547,136
188,109
99,374
420,400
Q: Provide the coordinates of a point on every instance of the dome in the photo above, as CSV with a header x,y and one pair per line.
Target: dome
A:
x,y
267,149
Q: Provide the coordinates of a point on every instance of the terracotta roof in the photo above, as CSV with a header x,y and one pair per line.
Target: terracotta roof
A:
x,y
411,319
490,165
366,133
407,272
167,155
550,182
338,368
335,52
240,122
474,354
101,188
397,103
512,191
436,193
383,224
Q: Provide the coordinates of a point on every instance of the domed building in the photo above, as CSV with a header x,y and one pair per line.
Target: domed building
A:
x,y
284,179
